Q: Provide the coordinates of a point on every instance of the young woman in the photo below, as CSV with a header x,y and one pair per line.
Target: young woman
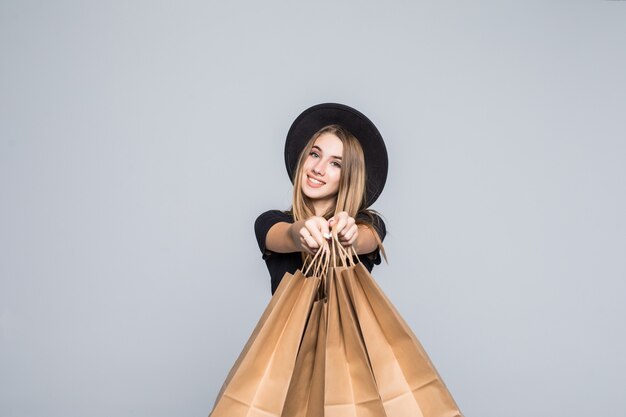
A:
x,y
348,350
337,161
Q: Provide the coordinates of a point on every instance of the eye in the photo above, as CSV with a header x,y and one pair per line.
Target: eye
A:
x,y
314,154
335,163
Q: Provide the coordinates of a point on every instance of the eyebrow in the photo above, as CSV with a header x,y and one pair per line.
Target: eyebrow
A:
x,y
320,149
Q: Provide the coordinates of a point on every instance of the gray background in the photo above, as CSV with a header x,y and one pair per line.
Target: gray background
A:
x,y
140,140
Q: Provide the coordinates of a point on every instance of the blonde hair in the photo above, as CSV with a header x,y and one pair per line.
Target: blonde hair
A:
x,y
351,194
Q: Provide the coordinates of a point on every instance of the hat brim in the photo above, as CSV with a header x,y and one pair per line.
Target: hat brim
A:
x,y
314,118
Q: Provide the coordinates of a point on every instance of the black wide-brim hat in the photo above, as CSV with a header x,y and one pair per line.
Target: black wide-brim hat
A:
x,y
314,118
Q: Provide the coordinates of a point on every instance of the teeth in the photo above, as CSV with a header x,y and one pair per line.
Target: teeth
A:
x,y
314,181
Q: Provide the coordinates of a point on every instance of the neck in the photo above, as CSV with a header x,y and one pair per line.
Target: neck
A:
x,y
322,206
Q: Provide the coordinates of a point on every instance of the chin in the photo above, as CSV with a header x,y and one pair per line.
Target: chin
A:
x,y
313,196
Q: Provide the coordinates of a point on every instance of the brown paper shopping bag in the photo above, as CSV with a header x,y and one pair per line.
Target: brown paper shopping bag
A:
x,y
301,394
314,407
408,383
350,386
285,283
332,376
333,345
258,382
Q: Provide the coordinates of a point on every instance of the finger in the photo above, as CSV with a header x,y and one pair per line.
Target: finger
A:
x,y
309,239
350,223
331,223
304,233
335,219
317,236
353,239
342,221
344,242
305,246
350,232
325,230
349,242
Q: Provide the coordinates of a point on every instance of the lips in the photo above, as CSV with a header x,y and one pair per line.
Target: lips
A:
x,y
314,182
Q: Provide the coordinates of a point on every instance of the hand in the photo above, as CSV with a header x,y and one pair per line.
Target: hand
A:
x,y
311,235
346,228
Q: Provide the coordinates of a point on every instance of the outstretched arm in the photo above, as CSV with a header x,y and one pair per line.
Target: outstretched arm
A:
x,y
301,236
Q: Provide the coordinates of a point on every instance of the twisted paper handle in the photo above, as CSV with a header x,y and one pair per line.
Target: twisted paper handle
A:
x,y
332,252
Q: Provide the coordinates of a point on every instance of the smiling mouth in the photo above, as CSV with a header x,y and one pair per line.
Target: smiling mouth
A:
x,y
314,181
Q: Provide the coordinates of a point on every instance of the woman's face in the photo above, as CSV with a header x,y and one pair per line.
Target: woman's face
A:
x,y
322,169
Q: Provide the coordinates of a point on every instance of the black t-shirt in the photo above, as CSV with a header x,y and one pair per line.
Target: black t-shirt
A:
x,y
280,263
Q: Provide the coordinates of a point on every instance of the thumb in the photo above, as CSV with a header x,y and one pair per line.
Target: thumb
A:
x,y
325,229
331,222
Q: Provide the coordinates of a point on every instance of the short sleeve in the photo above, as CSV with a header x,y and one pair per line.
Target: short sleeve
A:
x,y
379,226
264,223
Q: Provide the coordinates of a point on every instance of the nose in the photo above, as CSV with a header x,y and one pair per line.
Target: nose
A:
x,y
318,168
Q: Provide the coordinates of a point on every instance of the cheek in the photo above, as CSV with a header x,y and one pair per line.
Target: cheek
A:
x,y
307,163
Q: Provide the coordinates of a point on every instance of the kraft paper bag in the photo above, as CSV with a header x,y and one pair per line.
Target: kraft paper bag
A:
x,y
285,283
408,383
316,398
299,393
258,383
306,394
350,389
366,399
333,345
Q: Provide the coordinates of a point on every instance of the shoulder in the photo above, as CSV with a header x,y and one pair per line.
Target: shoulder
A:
x,y
270,218
370,217
275,216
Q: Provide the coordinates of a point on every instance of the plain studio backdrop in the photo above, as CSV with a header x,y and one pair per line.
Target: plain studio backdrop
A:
x,y
139,141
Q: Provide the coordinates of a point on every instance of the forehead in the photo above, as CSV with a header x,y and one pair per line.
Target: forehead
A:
x,y
329,143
